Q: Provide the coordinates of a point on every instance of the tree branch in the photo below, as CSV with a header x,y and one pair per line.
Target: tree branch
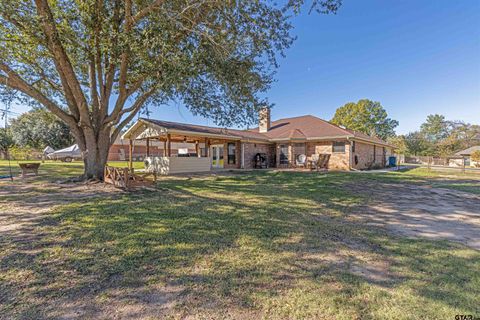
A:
x,y
145,11
64,65
14,81
133,111
110,70
94,92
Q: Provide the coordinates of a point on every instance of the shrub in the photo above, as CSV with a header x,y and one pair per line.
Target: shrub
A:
x,y
22,153
476,157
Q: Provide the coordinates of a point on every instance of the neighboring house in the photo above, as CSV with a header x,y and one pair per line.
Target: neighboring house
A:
x,y
466,154
281,142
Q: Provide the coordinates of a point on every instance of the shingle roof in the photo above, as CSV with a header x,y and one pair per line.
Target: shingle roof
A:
x,y
312,127
296,128
363,136
468,151
206,129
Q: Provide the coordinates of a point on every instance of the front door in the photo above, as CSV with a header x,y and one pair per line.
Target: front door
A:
x,y
217,156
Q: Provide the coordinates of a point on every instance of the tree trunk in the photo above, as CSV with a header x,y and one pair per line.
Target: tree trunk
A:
x,y
95,156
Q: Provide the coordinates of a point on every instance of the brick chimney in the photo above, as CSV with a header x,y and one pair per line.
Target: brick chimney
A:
x,y
264,120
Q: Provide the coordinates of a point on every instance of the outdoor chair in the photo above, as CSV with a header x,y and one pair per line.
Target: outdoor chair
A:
x,y
301,160
322,163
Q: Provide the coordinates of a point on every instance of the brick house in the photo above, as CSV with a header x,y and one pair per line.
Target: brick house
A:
x,y
282,141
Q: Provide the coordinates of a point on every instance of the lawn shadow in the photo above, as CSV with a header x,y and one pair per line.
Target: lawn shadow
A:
x,y
209,245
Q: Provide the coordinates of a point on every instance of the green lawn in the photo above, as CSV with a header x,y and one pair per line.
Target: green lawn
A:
x,y
274,245
57,170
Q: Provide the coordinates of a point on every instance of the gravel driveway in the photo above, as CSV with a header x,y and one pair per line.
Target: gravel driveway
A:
x,y
424,211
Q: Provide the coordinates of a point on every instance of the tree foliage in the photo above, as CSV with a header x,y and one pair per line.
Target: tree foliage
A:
x,y
440,137
475,156
39,128
96,63
435,127
6,139
366,116
417,145
399,142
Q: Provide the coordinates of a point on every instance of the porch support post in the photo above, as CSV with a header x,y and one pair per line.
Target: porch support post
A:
x,y
169,146
207,146
291,156
197,149
148,147
130,154
165,148
277,155
242,156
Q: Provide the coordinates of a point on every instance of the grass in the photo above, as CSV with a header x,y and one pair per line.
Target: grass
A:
x,y
55,170
273,245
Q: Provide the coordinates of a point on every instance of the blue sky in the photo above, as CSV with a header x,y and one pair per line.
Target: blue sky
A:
x,y
415,57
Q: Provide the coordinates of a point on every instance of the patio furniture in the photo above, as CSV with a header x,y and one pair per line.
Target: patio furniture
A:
x,y
301,160
321,163
31,167
260,161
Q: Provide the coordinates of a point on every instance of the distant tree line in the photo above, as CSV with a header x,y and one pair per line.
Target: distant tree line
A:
x,y
35,129
438,137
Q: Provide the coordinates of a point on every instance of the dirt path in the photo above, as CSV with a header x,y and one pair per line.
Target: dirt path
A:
x,y
423,211
23,205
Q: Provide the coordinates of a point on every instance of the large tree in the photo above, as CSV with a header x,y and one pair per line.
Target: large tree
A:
x,y
366,116
39,128
96,63
417,144
435,128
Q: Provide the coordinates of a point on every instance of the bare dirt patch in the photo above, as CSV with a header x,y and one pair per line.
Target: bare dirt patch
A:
x,y
22,205
423,211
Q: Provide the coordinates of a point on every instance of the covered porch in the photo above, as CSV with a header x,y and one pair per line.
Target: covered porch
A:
x,y
205,149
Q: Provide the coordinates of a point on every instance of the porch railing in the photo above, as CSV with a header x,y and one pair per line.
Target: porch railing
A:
x,y
127,179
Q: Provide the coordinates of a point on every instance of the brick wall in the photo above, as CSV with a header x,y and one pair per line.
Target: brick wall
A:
x,y
251,149
368,155
338,160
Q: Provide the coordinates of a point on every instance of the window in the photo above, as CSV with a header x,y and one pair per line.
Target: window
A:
x,y
374,153
353,146
231,153
338,147
283,154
